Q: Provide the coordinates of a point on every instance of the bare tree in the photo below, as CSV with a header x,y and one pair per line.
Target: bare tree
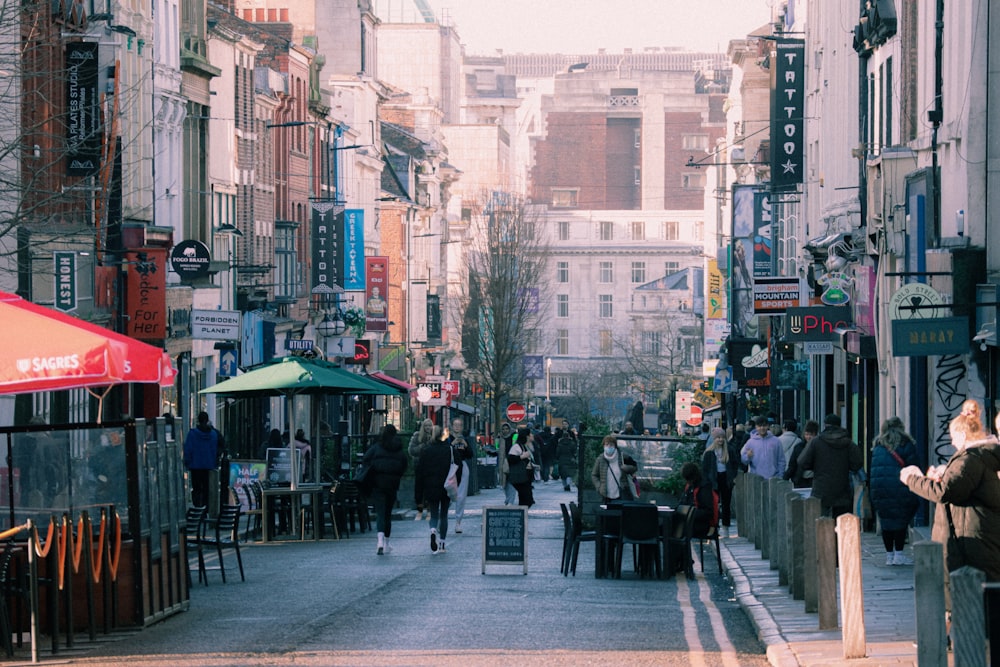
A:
x,y
499,305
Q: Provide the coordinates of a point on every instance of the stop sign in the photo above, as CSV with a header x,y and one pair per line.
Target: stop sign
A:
x,y
516,412
695,418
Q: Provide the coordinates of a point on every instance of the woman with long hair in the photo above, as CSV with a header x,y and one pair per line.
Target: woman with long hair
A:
x,y
387,463
894,505
719,466
419,441
432,470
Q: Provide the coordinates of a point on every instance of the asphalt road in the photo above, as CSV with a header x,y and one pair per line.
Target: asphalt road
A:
x,y
338,603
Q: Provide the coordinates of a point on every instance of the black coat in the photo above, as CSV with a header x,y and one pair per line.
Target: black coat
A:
x,y
432,469
387,463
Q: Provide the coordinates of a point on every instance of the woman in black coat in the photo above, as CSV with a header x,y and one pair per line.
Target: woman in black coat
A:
x,y
386,462
432,470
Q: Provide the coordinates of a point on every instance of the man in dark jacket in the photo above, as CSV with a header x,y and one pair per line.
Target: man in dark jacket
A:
x,y
201,454
832,456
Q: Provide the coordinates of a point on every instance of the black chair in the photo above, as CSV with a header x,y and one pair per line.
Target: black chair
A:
x,y
640,527
227,527
254,510
678,547
194,538
350,506
10,588
567,537
579,535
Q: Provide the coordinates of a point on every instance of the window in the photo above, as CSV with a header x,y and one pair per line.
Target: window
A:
x,y
671,230
606,343
285,258
561,384
671,267
607,230
693,181
564,198
562,341
607,272
638,272
695,142
650,343
562,305
562,272
638,230
605,306
637,175
637,137
563,227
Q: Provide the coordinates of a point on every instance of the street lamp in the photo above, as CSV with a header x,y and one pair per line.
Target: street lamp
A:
x,y
548,391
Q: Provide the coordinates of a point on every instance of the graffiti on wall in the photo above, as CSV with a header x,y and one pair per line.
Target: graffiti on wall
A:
x,y
950,390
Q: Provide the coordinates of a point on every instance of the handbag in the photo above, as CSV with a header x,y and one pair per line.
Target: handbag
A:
x,y
451,481
364,478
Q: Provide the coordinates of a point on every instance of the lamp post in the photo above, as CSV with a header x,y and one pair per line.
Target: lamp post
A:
x,y
548,391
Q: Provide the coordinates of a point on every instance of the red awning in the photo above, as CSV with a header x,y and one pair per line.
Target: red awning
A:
x,y
391,381
42,349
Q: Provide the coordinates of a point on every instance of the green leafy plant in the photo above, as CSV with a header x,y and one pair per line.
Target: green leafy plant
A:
x,y
691,449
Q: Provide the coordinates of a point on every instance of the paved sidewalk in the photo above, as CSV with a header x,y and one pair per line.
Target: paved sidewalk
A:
x,y
792,636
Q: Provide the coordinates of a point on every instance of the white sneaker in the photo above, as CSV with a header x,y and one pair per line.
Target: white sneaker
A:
x,y
387,547
890,558
420,516
441,548
902,559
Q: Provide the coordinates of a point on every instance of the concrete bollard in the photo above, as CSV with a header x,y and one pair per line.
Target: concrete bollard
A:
x,y
779,557
826,553
851,590
968,618
812,509
738,487
766,519
798,548
928,593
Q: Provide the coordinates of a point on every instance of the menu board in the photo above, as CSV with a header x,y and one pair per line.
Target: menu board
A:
x,y
505,533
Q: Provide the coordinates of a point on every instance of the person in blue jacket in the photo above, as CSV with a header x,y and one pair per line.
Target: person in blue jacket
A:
x,y
201,455
895,506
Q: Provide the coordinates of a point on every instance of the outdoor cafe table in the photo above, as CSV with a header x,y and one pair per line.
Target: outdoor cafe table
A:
x,y
603,514
315,491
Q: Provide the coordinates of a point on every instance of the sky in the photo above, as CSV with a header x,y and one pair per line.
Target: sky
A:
x,y
584,26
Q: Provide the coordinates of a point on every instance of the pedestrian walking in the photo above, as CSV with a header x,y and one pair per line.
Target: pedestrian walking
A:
x,y
719,466
566,455
832,456
762,453
789,438
894,505
521,466
463,453
503,444
386,462
610,472
419,441
202,447
801,478
435,461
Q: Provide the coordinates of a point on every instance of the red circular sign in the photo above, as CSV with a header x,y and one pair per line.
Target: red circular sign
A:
x,y
695,418
516,412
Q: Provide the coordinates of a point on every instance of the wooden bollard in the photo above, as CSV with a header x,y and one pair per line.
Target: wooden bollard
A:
x,y
757,508
779,550
789,533
812,509
928,593
851,591
968,618
766,519
798,548
826,567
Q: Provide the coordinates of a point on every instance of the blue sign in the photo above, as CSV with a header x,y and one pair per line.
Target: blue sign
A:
x,y
724,381
354,249
228,363
534,367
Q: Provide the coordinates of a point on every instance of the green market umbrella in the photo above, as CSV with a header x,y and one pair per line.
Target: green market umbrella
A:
x,y
293,376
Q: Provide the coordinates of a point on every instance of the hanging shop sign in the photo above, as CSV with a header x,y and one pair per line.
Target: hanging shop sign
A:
x,y
190,259
354,250
930,337
819,323
773,296
787,108
65,265
83,118
915,301
146,294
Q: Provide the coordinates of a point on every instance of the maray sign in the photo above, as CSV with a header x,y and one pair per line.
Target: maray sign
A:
x,y
787,109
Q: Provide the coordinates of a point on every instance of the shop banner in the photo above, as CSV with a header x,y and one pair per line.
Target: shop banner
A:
x,y
354,250
377,286
327,225
83,119
146,295
787,111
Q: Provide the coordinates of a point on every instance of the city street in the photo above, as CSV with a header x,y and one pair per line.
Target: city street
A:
x,y
337,603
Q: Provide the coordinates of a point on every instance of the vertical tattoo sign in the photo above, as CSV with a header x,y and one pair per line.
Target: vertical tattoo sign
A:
x,y
787,110
327,223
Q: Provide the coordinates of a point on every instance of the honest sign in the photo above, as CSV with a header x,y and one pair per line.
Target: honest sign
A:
x,y
505,531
